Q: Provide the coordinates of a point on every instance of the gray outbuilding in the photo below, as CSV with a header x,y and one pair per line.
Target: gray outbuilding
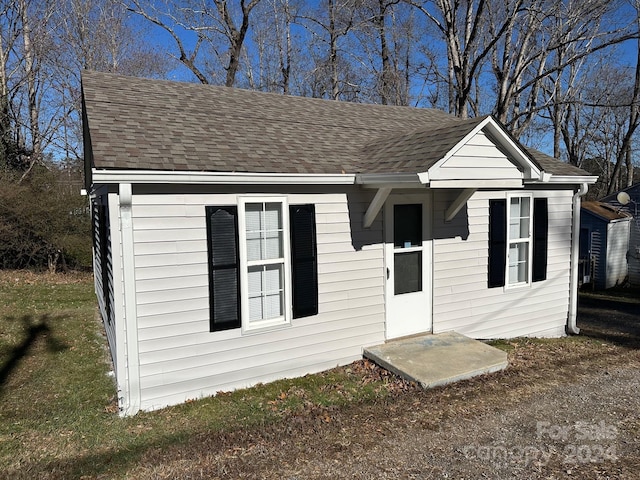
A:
x,y
604,243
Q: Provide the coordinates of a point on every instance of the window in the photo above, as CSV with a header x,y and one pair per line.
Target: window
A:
x,y
518,232
264,256
519,240
407,243
262,263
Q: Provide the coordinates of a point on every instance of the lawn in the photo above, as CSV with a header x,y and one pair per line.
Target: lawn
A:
x,y
57,398
58,417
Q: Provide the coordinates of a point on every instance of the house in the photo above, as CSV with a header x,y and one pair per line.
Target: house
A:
x,y
604,244
242,237
630,206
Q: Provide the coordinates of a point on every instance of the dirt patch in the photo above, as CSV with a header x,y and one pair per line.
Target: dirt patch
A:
x,y
564,408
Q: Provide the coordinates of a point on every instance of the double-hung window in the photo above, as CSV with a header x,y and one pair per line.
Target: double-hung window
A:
x,y
263,268
264,261
520,227
518,239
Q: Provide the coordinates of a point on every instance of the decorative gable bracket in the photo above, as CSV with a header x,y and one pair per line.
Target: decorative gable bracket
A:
x,y
376,205
458,203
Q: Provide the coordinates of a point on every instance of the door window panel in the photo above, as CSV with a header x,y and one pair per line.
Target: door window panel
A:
x,y
407,272
407,225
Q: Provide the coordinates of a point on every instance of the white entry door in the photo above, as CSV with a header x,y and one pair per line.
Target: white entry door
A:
x,y
408,256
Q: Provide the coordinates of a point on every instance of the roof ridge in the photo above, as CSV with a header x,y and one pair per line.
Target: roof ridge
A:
x,y
241,90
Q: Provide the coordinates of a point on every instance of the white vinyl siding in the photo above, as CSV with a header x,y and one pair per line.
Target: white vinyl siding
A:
x,y
609,244
476,159
462,300
633,209
180,359
617,249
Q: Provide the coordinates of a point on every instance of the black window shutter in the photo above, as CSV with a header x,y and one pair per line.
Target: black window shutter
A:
x,y
224,270
497,242
104,257
304,264
540,239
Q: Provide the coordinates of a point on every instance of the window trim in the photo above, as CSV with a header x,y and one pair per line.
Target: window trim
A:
x,y
246,325
529,241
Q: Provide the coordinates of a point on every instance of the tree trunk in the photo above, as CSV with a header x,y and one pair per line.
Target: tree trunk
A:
x,y
385,56
30,70
333,51
632,125
5,124
285,52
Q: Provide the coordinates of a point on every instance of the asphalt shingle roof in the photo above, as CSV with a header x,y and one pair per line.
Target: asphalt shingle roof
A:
x,y
136,123
551,165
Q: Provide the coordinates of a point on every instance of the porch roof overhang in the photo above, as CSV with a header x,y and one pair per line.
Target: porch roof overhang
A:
x,y
516,168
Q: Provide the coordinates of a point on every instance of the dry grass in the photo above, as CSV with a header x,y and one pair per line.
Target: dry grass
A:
x,y
56,417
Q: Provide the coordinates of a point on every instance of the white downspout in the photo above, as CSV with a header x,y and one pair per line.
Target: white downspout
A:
x,y
572,328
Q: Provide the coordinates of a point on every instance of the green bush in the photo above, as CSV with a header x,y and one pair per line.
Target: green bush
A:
x,y
44,221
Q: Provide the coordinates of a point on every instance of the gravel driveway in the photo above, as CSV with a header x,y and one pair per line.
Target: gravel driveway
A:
x,y
563,409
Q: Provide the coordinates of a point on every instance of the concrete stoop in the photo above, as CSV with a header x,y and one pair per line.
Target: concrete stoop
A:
x,y
434,360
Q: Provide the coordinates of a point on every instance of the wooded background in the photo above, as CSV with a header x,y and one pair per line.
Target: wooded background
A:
x,y
562,75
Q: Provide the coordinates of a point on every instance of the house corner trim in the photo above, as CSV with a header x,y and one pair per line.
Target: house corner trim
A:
x,y
131,403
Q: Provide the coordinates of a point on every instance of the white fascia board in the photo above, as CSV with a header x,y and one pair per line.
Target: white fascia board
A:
x,y
225,178
477,184
572,179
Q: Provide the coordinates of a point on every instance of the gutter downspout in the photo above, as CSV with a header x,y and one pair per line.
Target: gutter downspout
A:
x,y
572,328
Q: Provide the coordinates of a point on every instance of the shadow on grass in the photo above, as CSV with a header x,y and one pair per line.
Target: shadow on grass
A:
x,y
111,462
116,462
34,328
611,317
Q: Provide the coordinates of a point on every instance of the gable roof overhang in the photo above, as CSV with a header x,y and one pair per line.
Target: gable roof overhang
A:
x,y
525,164
524,169
434,173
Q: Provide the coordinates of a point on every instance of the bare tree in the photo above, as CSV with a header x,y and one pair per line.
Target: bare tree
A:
x,y
387,37
461,26
328,27
269,67
557,41
624,153
31,22
216,24
9,34
92,35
